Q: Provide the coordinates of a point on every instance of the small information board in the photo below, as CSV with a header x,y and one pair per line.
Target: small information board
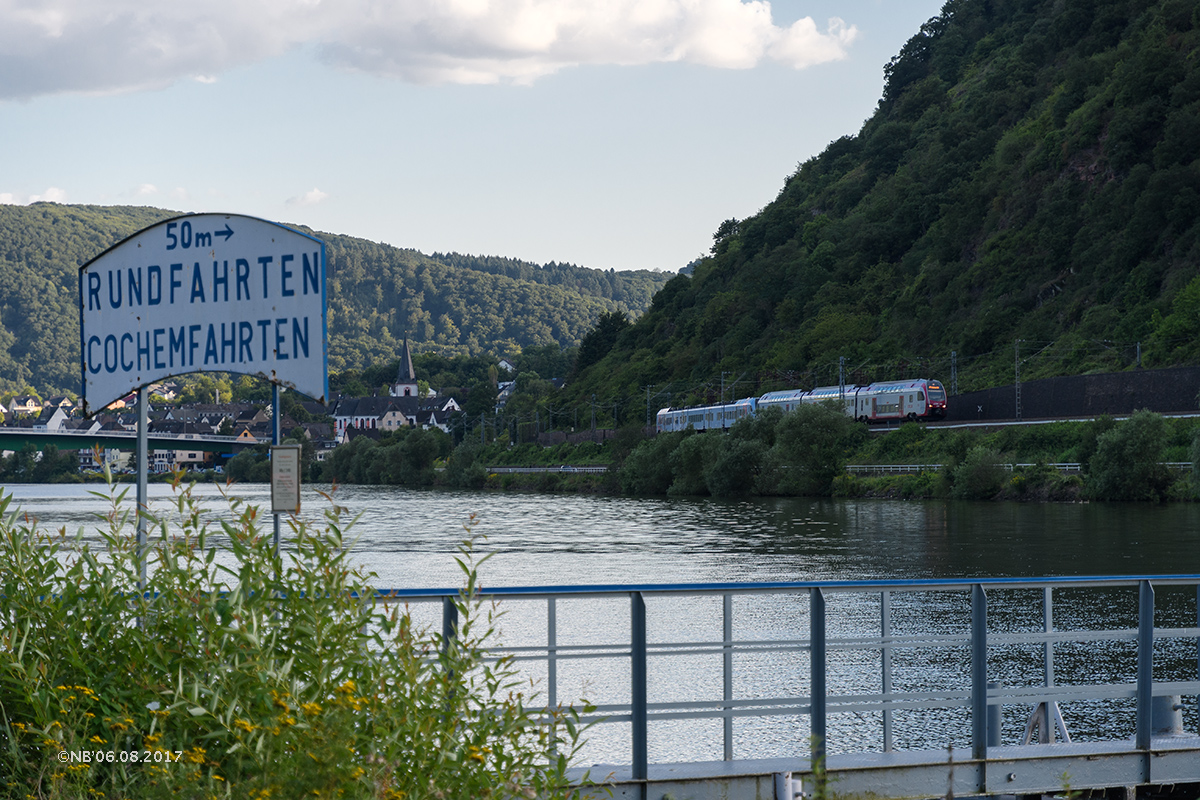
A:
x,y
285,479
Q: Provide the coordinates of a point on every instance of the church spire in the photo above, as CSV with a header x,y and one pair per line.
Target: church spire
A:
x,y
406,377
406,373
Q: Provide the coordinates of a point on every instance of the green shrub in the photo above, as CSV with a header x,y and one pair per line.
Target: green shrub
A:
x,y
846,485
737,465
647,470
980,476
1127,464
690,462
279,676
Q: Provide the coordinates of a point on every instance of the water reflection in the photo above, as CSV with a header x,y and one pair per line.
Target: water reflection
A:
x,y
409,537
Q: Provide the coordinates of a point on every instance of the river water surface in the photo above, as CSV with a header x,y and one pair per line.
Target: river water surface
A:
x,y
409,539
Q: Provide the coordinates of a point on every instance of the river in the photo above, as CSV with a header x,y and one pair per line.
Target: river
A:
x,y
409,539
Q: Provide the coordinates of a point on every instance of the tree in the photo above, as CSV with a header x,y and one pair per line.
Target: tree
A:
x,y
809,451
1128,460
601,339
481,399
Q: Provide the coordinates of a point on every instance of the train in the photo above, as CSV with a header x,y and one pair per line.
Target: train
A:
x,y
887,401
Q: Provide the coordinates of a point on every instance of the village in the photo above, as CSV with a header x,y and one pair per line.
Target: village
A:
x,y
324,425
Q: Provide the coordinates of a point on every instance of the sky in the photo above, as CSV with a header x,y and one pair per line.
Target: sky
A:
x,y
614,134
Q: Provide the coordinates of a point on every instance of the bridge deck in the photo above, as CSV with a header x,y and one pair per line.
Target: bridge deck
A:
x,y
1028,769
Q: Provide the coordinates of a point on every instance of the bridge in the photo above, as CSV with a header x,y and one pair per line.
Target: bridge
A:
x,y
878,688
17,438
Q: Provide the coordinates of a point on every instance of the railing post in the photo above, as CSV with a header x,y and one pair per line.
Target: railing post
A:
x,y
885,629
817,705
552,652
449,637
637,654
727,655
1145,664
979,682
1048,627
449,622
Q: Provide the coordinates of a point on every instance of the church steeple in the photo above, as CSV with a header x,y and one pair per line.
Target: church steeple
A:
x,y
406,377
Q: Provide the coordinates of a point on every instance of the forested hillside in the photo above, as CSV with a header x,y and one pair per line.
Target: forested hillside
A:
x,y
1030,174
376,293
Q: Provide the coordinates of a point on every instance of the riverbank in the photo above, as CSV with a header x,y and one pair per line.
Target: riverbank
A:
x,y
802,454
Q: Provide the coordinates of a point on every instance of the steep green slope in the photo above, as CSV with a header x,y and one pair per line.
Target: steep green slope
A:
x,y
1030,173
376,294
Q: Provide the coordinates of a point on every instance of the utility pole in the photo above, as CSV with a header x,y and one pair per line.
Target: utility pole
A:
x,y
481,441
954,372
842,380
1017,372
593,417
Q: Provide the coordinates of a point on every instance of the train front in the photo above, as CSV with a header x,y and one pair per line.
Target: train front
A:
x,y
936,398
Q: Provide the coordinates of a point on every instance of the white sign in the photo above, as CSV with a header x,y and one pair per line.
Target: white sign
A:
x,y
285,479
202,293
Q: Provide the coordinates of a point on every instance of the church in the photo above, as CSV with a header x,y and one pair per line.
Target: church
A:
x,y
403,407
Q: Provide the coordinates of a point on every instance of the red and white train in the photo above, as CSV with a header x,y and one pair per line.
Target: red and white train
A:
x,y
877,402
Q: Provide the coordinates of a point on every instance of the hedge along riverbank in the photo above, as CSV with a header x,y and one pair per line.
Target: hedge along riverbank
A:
x,y
277,676
805,453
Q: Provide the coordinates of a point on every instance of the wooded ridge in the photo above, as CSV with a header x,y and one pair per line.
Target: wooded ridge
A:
x,y
452,304
1030,173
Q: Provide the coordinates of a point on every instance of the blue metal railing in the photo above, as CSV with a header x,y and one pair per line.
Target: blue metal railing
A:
x,y
986,636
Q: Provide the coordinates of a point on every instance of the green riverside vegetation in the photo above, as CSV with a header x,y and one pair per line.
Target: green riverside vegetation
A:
x,y
804,453
271,677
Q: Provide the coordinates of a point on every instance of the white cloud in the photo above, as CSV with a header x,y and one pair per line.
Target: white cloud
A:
x,y
309,198
103,46
51,195
146,189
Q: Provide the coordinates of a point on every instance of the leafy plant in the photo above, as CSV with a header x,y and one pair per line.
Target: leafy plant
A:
x,y
274,675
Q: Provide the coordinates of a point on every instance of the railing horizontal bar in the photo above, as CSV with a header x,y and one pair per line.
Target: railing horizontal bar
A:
x,y
617,649
917,585
664,649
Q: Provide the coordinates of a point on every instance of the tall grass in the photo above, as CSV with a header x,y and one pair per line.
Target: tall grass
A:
x,y
254,675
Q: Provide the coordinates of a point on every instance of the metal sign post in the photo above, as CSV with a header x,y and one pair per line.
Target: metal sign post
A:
x,y
143,501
